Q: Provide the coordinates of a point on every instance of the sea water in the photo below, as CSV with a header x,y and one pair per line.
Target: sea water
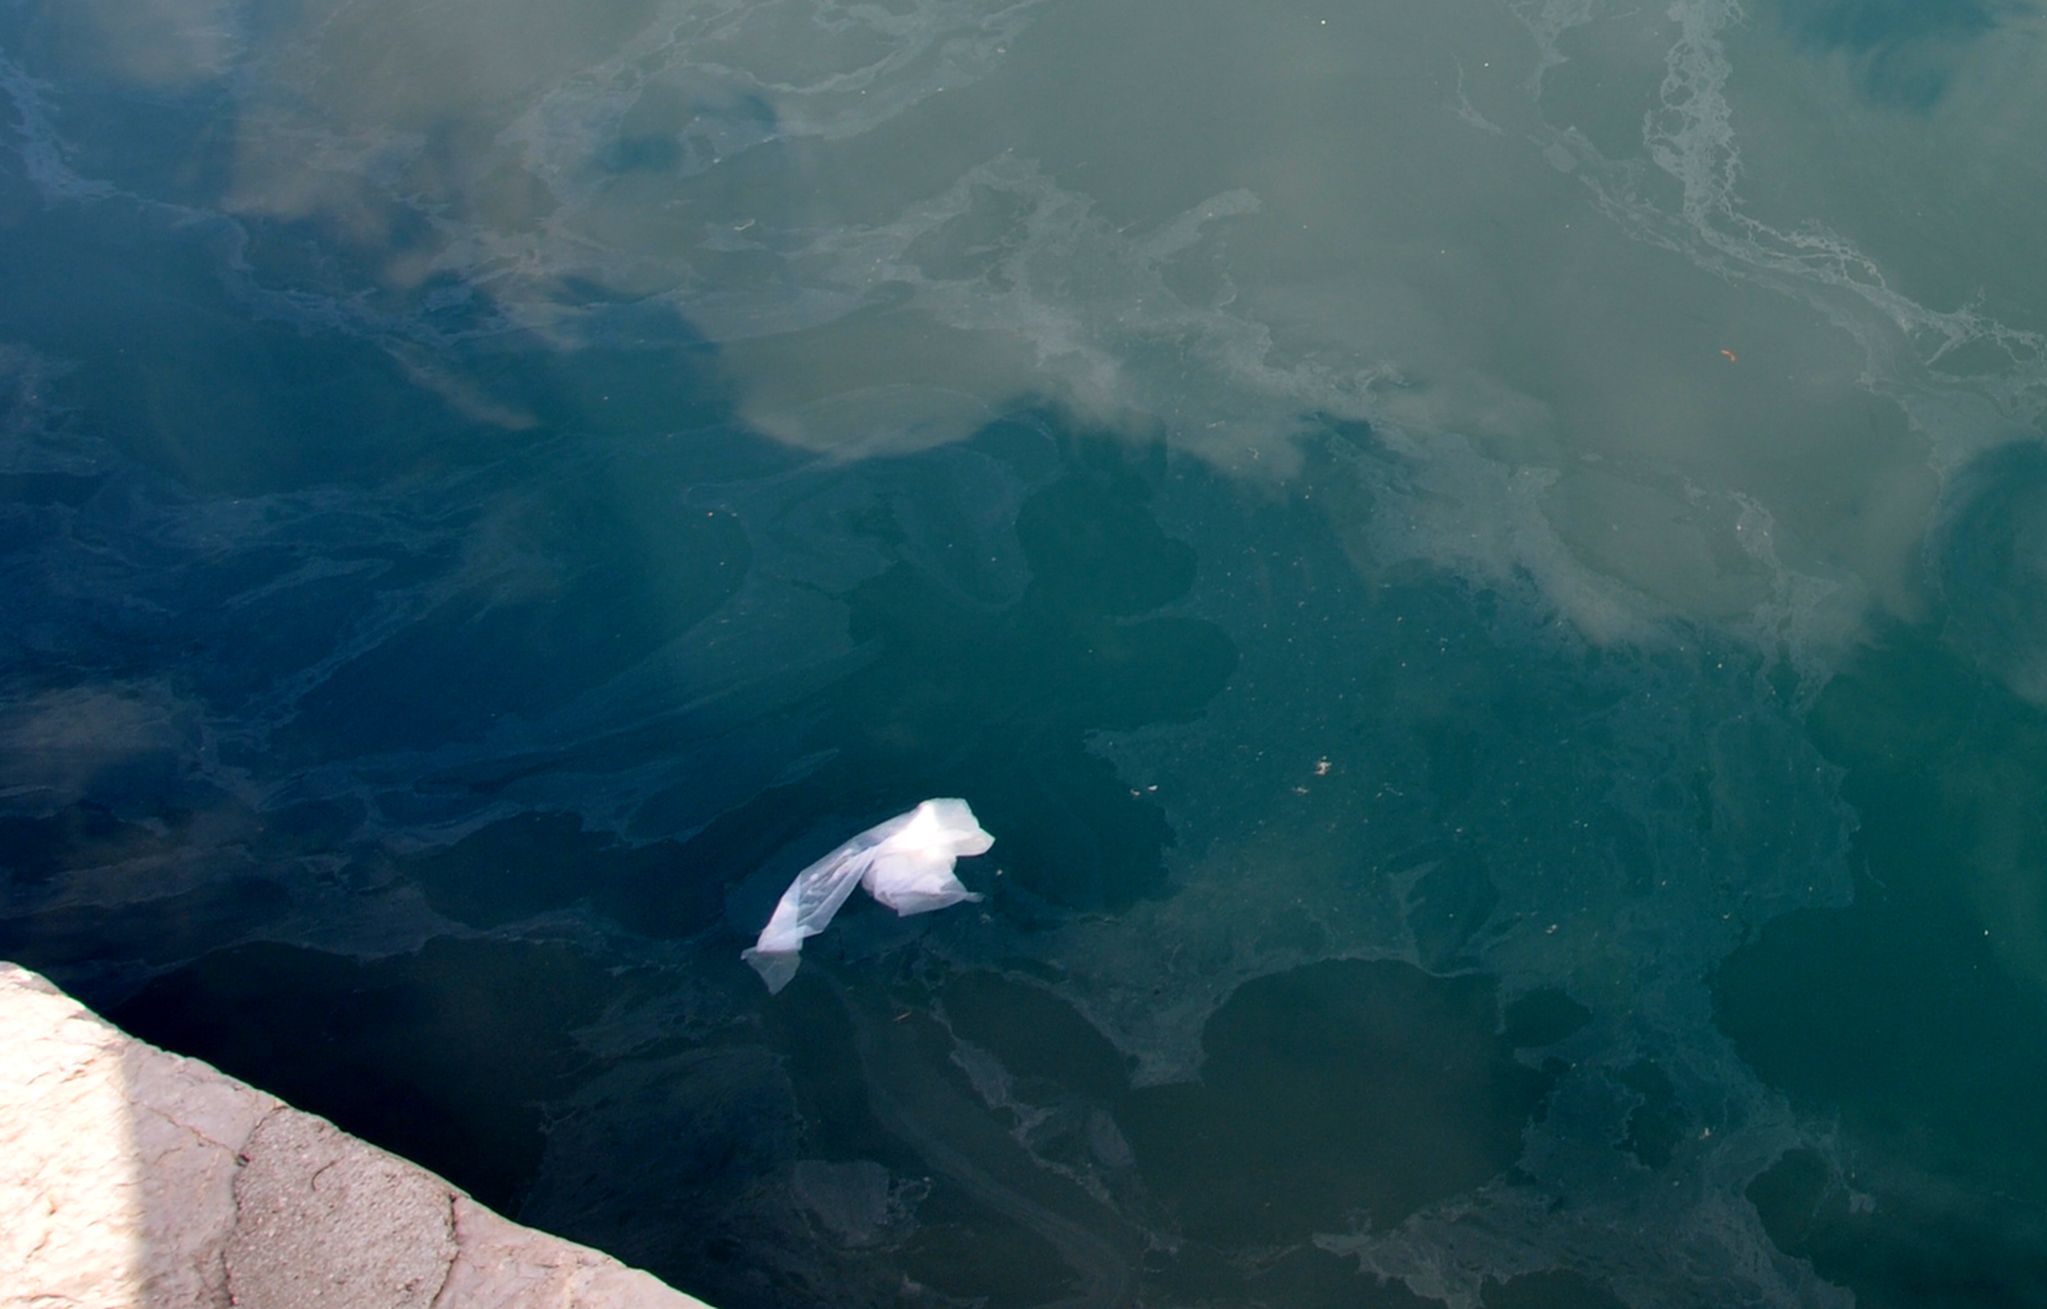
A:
x,y
1484,561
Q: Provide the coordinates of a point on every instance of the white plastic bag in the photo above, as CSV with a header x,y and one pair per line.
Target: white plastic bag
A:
x,y
906,863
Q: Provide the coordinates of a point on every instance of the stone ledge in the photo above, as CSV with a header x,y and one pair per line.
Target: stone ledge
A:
x,y
134,1177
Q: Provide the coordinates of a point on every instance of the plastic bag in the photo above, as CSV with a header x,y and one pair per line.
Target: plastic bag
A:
x,y
906,863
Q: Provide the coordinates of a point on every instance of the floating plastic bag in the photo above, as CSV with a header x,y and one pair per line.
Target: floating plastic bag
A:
x,y
906,863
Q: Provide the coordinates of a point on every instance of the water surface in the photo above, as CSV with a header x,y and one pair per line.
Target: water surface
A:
x,y
1483,561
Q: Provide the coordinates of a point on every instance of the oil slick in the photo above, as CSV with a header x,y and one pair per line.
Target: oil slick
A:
x,y
906,863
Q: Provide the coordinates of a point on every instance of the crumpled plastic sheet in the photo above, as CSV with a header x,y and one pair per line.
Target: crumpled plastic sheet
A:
x,y
906,863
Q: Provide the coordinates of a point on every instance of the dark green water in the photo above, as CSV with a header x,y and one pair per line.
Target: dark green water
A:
x,y
1485,563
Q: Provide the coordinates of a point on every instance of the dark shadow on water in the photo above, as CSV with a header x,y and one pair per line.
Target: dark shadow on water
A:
x,y
1331,1094
445,1057
1332,1091
1916,1018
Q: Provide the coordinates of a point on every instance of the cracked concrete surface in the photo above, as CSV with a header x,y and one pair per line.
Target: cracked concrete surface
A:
x,y
134,1177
